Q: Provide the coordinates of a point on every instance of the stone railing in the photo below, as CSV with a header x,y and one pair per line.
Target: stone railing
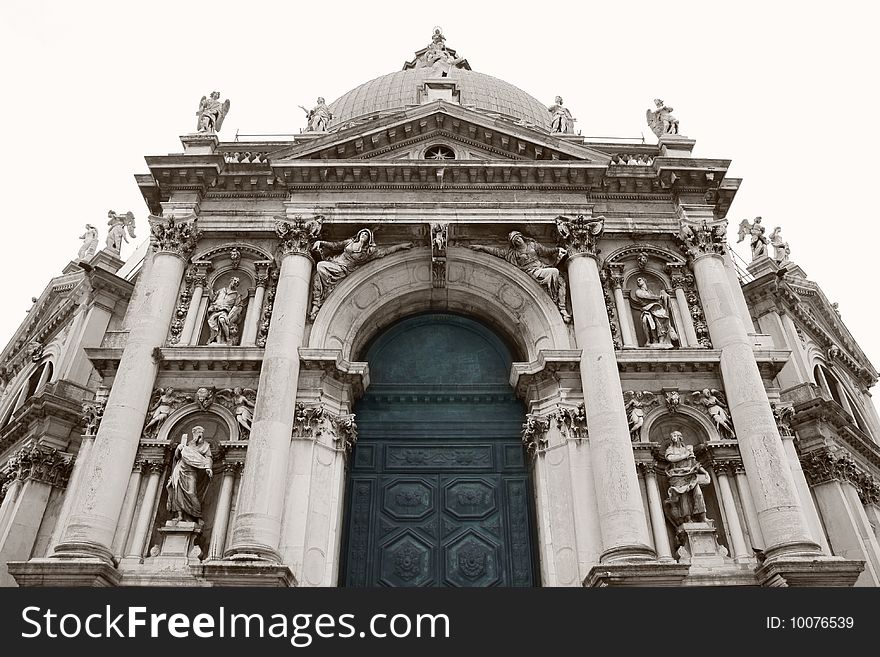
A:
x,y
245,157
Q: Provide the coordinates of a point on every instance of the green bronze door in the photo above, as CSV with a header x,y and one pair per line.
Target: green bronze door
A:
x,y
438,492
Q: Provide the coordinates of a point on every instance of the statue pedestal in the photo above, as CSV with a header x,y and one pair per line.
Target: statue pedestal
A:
x,y
675,146
699,545
200,143
178,544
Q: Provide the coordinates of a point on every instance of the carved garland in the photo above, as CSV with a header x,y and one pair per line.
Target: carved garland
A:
x,y
266,315
685,280
182,307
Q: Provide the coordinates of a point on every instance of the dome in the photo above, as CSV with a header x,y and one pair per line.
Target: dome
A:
x,y
400,89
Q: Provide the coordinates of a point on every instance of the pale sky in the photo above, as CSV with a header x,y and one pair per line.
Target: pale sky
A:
x,y
786,90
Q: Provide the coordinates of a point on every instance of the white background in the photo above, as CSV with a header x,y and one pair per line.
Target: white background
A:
x,y
787,90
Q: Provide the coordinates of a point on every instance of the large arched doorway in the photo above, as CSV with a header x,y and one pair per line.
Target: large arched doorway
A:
x,y
439,491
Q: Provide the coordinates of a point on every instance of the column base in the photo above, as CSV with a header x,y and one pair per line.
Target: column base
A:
x,y
64,572
809,571
245,573
636,574
629,553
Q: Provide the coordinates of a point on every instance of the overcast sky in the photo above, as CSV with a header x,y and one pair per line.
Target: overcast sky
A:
x,y
787,90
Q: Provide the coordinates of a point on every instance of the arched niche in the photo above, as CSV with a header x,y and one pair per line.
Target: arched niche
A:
x,y
478,285
217,431
222,279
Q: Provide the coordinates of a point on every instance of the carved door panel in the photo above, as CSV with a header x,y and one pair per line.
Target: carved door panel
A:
x,y
439,492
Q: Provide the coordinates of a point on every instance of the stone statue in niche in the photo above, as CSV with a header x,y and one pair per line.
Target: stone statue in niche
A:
x,y
526,254
224,312
716,406
162,404
90,243
654,314
684,500
347,255
560,117
661,120
318,117
117,227
781,251
211,113
191,458
635,402
757,240
242,401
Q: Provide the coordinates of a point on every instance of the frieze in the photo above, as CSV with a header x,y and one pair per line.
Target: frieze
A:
x,y
461,457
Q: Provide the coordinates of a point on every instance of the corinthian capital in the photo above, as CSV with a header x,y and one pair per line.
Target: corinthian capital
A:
x,y
580,235
178,236
703,239
297,235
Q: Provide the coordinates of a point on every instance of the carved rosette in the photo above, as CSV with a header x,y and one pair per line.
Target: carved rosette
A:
x,y
703,239
580,236
43,464
177,236
297,235
534,433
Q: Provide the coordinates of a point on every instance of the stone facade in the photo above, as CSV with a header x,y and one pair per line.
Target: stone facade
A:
x,y
272,267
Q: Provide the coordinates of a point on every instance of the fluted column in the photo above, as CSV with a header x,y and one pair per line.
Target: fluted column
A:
x,y
624,316
255,308
92,525
740,550
221,515
200,281
622,518
686,326
658,519
775,495
136,547
257,529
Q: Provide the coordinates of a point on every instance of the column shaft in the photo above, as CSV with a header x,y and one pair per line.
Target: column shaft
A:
x,y
625,319
775,495
221,515
687,322
145,515
745,495
658,519
74,486
192,314
252,319
740,551
621,513
126,516
257,528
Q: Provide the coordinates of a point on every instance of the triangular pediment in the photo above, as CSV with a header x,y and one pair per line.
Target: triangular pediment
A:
x,y
476,135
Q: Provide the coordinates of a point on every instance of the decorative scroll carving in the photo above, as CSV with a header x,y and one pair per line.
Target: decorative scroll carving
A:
x,y
715,404
572,421
41,463
581,234
534,433
311,422
703,239
298,235
163,402
635,402
178,236
661,120
439,239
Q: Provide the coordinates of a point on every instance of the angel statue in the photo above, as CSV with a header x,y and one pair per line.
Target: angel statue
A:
x,y
211,113
347,256
118,225
224,311
757,242
529,256
161,405
661,120
635,402
780,247
560,117
318,117
90,243
716,407
243,401
654,310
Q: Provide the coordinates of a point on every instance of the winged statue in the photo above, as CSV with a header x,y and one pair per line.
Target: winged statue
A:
x,y
118,225
162,404
635,402
716,406
661,120
211,113
757,240
242,401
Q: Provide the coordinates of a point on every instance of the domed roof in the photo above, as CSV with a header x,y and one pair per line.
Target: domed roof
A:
x,y
401,89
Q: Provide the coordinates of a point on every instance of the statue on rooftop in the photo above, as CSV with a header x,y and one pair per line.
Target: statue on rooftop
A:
x,y
118,225
211,113
661,120
781,251
438,58
757,240
560,117
318,117
90,243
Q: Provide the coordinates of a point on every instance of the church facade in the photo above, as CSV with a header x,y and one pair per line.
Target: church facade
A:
x,y
437,339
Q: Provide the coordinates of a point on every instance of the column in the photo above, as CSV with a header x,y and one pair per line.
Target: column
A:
x,y
624,316
255,308
74,485
776,500
126,516
256,532
658,518
745,496
804,495
93,521
741,552
47,370
200,281
221,515
622,518
145,514
679,277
